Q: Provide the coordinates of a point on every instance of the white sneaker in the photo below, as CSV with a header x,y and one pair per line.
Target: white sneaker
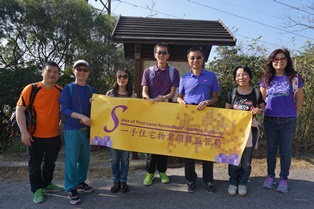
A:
x,y
242,190
232,190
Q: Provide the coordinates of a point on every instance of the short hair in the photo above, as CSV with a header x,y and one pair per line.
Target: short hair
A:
x,y
162,44
245,68
51,63
195,49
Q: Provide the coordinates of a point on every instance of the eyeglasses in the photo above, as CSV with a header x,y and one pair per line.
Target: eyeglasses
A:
x,y
276,60
85,70
197,58
161,52
125,76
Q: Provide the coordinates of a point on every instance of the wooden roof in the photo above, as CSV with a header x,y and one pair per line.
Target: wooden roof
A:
x,y
180,34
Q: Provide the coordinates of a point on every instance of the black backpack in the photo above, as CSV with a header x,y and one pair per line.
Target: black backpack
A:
x,y
30,114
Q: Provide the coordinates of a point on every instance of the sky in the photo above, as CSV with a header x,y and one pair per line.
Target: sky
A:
x,y
246,19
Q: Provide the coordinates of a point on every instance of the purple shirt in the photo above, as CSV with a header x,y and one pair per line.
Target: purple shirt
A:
x,y
198,88
280,98
160,84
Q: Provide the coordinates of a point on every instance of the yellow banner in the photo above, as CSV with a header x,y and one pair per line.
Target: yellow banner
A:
x,y
172,129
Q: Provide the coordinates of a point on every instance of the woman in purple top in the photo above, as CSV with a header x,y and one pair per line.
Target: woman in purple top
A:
x,y
120,158
284,91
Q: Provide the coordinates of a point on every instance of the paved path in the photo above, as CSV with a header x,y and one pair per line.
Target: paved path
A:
x,y
16,193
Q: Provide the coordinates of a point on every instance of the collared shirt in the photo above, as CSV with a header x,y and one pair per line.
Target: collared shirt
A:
x,y
198,88
160,84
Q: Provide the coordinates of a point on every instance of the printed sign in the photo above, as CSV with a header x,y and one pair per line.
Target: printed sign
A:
x,y
213,134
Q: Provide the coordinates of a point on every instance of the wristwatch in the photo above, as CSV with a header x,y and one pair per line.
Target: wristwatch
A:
x,y
262,110
207,102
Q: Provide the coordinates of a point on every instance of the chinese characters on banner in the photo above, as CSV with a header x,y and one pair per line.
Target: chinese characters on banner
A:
x,y
172,129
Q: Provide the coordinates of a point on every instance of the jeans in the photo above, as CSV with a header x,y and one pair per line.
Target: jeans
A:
x,y
119,165
190,174
77,154
239,175
156,161
279,132
43,155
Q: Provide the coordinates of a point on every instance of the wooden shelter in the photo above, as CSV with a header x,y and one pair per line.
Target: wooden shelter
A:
x,y
139,35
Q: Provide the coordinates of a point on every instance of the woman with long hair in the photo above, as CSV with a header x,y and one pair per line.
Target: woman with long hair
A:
x,y
282,89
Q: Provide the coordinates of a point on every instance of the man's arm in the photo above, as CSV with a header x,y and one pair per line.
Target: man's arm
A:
x,y
21,122
214,99
145,92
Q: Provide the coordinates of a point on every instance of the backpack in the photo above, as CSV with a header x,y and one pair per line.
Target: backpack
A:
x,y
30,114
152,72
234,90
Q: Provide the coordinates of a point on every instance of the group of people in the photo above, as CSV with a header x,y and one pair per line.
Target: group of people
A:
x,y
281,88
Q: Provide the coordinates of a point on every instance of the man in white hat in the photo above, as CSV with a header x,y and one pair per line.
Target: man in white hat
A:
x,y
75,104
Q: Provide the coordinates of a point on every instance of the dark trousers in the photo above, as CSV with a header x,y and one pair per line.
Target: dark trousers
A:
x,y
156,161
190,174
43,155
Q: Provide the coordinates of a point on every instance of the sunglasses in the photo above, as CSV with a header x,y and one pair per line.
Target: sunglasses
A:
x,y
276,60
85,70
196,58
122,76
161,52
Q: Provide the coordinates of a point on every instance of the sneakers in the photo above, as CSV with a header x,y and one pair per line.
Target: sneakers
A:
x,y
232,190
74,197
269,182
53,188
83,187
210,188
163,177
148,179
191,186
283,186
116,187
124,187
38,196
242,190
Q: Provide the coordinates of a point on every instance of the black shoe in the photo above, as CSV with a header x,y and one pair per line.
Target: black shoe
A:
x,y
116,187
210,188
124,187
191,186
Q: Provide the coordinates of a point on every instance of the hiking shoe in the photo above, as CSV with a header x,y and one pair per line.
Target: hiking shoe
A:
x,y
83,187
116,187
242,190
74,197
191,186
39,196
210,188
163,177
283,186
124,187
53,188
232,190
148,179
269,182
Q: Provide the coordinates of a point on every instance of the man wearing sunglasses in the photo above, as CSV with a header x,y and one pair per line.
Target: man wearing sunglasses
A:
x,y
159,83
75,105
199,87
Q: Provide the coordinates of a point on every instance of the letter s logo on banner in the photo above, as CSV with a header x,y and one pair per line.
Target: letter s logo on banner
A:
x,y
115,118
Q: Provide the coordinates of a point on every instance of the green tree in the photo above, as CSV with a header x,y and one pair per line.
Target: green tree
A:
x,y
35,31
